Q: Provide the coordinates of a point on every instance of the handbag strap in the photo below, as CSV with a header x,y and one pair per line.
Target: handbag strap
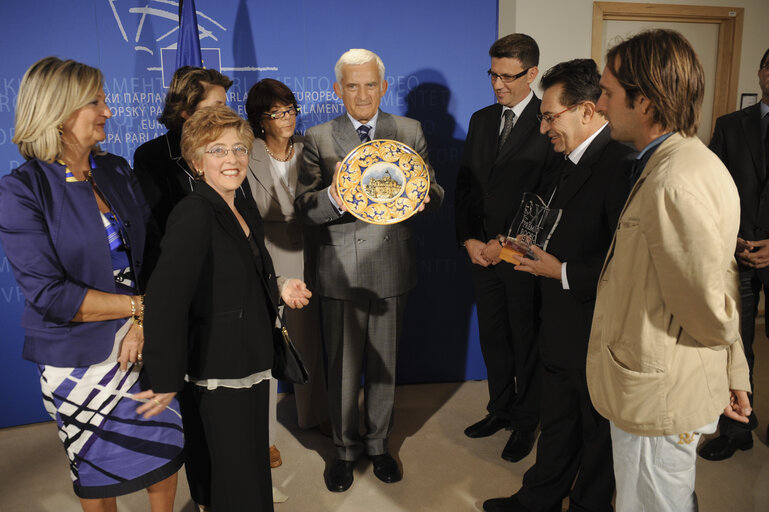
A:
x,y
278,314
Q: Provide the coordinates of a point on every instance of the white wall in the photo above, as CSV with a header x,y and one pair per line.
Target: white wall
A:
x,y
563,29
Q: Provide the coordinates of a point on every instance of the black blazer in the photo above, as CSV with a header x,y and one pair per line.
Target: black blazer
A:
x,y
490,186
164,176
591,196
737,142
208,311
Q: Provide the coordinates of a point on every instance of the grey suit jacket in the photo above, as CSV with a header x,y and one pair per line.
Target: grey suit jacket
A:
x,y
357,260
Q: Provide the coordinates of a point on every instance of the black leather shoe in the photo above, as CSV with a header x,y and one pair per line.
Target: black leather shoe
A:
x,y
385,468
510,504
519,445
723,447
339,477
489,425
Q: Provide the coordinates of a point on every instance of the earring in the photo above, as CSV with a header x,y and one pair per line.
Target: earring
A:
x,y
60,128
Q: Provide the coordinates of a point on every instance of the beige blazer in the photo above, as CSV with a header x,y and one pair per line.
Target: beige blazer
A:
x,y
665,346
283,234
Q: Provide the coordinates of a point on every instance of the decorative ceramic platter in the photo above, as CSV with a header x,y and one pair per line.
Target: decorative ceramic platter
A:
x,y
383,181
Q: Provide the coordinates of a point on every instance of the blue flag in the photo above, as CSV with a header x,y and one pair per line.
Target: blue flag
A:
x,y
188,44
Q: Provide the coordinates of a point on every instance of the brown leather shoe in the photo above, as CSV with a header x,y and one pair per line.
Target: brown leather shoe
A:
x,y
275,459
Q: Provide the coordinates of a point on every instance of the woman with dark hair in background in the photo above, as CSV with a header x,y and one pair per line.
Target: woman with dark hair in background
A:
x,y
211,305
164,176
72,224
272,172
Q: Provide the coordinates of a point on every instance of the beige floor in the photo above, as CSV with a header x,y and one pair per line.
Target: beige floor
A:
x,y
443,470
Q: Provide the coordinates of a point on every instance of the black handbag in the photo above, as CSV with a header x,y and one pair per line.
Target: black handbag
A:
x,y
287,364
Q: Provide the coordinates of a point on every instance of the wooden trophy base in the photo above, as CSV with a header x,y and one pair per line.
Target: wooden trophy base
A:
x,y
510,255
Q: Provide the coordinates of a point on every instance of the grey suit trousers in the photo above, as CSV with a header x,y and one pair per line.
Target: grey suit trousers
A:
x,y
362,334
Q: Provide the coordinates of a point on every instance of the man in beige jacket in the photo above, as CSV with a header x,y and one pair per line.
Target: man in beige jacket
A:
x,y
665,356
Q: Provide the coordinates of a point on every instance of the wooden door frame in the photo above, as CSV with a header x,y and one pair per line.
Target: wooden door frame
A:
x,y
728,19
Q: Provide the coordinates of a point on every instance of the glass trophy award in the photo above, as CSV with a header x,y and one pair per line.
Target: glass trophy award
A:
x,y
534,224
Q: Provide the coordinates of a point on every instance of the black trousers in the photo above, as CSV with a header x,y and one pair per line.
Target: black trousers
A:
x,y
507,307
750,294
574,456
230,435
197,463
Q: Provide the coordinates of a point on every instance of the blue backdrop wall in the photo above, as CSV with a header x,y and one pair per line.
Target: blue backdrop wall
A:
x,y
435,52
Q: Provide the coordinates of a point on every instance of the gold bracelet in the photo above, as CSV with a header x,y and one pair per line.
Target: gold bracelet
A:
x,y
139,319
133,306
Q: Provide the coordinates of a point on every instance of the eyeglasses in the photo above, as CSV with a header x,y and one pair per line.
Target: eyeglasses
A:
x,y
506,79
221,151
280,114
549,118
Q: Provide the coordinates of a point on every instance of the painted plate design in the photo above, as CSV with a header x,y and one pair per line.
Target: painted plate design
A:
x,y
383,181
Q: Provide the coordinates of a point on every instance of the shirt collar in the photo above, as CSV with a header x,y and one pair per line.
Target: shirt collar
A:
x,y
371,122
653,145
579,151
520,106
764,109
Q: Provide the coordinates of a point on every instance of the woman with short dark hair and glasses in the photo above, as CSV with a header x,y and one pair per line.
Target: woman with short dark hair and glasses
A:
x,y
275,158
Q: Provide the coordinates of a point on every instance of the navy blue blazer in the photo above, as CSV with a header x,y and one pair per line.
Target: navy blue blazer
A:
x,y
55,241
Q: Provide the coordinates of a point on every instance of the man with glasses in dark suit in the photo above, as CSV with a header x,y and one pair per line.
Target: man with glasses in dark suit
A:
x,y
741,140
503,157
574,448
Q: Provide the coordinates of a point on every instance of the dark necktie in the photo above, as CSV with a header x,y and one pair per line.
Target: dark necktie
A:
x,y
509,116
363,132
635,171
566,170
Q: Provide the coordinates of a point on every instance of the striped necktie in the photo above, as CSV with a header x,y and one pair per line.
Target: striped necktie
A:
x,y
506,129
363,132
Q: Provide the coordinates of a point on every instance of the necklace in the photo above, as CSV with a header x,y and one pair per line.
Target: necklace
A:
x,y
289,154
69,176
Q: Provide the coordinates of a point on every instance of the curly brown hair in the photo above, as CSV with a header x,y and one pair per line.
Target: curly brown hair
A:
x,y
189,87
205,126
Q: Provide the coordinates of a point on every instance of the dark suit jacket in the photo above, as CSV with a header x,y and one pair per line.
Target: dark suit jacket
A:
x,y
208,313
591,197
737,142
356,259
490,185
54,239
164,176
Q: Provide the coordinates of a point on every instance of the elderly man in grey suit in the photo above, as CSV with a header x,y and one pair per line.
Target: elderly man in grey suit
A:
x,y
365,271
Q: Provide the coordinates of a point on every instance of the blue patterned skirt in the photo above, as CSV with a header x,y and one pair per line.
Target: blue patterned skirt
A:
x,y
112,450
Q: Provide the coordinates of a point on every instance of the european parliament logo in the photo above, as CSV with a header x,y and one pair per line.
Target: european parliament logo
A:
x,y
160,42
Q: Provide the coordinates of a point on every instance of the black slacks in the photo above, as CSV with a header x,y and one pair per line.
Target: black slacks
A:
x,y
507,307
574,456
750,294
230,432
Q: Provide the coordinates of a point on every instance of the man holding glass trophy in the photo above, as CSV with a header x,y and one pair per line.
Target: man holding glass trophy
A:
x,y
564,241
